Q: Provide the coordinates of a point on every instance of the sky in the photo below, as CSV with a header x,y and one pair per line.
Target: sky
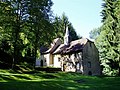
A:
x,y
83,14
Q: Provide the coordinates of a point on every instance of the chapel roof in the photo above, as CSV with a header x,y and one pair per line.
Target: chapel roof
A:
x,y
74,46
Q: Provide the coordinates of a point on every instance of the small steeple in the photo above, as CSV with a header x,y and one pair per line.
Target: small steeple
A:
x,y
66,37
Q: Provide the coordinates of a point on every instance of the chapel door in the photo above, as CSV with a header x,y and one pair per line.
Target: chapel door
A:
x,y
41,63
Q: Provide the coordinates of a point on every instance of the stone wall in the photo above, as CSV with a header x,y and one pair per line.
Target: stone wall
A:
x,y
91,60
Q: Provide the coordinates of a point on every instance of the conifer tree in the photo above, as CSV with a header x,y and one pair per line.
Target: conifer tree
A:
x,y
108,42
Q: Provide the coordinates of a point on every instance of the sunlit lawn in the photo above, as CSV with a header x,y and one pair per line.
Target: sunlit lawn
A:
x,y
10,80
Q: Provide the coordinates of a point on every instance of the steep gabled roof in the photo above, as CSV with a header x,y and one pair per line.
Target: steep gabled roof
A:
x,y
74,46
54,45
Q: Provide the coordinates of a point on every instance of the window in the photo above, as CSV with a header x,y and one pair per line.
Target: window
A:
x,y
89,64
90,44
58,59
89,73
45,59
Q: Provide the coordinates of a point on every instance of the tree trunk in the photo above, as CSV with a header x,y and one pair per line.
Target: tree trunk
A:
x,y
35,55
36,45
16,50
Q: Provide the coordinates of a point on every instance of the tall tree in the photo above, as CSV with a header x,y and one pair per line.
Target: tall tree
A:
x,y
39,11
60,24
108,41
12,23
25,23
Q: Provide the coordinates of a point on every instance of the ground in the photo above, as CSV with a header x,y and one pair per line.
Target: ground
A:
x,y
11,80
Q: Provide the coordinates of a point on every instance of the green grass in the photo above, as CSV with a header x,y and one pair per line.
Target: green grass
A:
x,y
10,80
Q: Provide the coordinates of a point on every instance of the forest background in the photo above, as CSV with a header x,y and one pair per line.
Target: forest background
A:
x,y
27,25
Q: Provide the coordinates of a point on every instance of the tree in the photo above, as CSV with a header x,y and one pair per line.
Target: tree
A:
x,y
60,24
25,23
12,23
41,28
94,33
108,40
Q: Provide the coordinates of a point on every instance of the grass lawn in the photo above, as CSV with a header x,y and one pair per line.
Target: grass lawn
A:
x,y
10,80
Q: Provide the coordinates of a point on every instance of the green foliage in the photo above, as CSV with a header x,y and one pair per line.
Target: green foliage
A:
x,y
60,24
25,25
93,34
108,42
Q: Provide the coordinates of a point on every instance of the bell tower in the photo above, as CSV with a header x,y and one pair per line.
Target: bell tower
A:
x,y
66,37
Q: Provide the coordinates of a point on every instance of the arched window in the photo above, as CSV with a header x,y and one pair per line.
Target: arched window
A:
x,y
58,59
89,73
89,64
42,63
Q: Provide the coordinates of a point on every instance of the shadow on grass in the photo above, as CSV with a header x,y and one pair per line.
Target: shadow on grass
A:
x,y
48,76
55,84
57,81
20,77
14,77
41,85
7,78
23,77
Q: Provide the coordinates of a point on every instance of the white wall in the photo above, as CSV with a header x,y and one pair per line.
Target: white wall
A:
x,y
57,63
45,59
